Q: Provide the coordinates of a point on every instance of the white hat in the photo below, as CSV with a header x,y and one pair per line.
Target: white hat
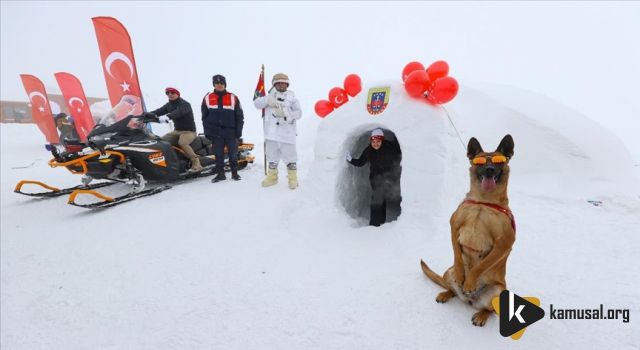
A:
x,y
377,133
280,78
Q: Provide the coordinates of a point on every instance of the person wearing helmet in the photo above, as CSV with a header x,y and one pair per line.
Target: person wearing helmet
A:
x,y
280,118
384,157
179,111
223,119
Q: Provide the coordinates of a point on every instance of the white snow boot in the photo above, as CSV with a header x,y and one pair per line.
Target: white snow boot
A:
x,y
292,175
271,178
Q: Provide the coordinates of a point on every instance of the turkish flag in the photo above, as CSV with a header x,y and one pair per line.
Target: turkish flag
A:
x,y
76,103
40,108
118,63
260,88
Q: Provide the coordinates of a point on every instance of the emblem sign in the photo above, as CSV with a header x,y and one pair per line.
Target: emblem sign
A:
x,y
378,99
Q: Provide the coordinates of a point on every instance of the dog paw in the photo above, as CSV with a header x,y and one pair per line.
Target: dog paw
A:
x,y
480,318
444,296
468,288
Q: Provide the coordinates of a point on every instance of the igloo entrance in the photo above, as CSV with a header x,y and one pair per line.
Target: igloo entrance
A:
x,y
354,190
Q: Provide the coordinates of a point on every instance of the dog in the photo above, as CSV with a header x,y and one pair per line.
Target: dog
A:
x,y
482,233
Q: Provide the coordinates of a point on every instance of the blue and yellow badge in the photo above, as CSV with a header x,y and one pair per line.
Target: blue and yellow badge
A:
x,y
378,99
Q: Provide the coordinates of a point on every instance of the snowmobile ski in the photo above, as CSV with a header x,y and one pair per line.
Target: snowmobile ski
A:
x,y
111,201
108,201
54,191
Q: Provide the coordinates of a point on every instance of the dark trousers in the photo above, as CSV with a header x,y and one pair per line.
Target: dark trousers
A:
x,y
385,196
232,149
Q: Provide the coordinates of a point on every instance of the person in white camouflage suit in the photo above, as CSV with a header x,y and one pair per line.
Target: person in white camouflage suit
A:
x,y
281,115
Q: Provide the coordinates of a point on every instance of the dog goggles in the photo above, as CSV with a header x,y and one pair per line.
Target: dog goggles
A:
x,y
482,160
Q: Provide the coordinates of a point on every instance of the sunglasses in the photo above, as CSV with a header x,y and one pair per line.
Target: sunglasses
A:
x,y
170,93
482,160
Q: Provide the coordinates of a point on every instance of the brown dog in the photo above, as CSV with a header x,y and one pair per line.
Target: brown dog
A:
x,y
482,233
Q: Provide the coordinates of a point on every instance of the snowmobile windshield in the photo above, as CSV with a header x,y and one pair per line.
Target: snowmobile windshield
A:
x,y
127,106
131,122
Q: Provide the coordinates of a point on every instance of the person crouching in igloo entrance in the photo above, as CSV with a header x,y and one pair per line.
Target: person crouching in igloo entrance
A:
x,y
384,158
282,112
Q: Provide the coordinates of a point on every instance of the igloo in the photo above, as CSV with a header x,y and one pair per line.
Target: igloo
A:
x,y
420,128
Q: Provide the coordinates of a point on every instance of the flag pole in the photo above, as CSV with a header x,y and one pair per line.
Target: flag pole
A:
x,y
264,141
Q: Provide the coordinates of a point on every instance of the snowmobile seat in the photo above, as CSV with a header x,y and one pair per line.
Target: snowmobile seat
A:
x,y
202,146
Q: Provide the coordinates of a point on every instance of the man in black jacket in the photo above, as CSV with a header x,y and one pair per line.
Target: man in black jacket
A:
x,y
384,158
179,110
223,119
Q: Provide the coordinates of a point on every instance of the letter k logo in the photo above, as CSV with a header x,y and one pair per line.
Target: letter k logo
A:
x,y
521,312
511,308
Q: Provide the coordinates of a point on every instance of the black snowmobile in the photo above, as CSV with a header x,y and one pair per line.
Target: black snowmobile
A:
x,y
126,152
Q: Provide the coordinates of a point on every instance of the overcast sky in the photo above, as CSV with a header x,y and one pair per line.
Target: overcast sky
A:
x,y
583,54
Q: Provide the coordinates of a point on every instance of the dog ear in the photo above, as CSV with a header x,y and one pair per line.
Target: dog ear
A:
x,y
506,146
473,148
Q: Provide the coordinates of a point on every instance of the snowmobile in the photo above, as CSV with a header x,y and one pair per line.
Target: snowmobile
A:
x,y
126,152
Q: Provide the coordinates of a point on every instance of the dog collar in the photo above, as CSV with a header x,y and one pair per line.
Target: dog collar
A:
x,y
501,209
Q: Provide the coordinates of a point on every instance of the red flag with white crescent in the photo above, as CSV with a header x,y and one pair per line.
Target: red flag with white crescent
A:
x,y
40,108
118,63
260,92
77,104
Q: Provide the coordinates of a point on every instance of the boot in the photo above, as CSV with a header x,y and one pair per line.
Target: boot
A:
x,y
219,178
292,175
235,176
195,165
271,179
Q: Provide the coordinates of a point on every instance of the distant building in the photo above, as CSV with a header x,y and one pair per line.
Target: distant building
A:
x,y
20,111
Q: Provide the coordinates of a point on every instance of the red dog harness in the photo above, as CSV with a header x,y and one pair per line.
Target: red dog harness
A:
x,y
503,210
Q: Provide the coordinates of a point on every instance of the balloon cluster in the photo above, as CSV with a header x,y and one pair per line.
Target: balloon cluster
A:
x,y
433,82
339,96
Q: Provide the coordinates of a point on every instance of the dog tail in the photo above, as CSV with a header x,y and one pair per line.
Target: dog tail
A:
x,y
437,279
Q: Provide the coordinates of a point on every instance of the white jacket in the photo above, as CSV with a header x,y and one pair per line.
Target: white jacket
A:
x,y
281,129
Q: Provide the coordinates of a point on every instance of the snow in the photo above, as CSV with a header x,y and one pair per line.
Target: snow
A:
x,y
236,266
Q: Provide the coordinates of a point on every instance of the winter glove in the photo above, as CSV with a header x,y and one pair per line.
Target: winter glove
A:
x,y
349,157
271,100
164,119
278,111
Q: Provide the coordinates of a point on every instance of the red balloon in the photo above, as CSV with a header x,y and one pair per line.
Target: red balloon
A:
x,y
438,69
410,67
352,84
323,107
443,91
416,83
338,97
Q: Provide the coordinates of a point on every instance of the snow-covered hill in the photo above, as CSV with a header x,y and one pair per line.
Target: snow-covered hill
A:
x,y
236,266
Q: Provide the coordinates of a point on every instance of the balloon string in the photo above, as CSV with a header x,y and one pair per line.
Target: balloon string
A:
x,y
454,127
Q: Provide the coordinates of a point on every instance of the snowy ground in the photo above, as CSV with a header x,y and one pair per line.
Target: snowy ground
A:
x,y
235,266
